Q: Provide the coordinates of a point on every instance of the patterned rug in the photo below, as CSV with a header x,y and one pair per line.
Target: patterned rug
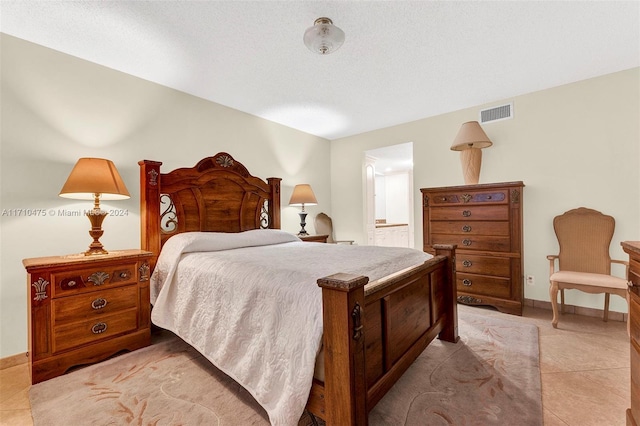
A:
x,y
491,377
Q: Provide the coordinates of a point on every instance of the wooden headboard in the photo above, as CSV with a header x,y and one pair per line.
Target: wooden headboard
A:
x,y
218,194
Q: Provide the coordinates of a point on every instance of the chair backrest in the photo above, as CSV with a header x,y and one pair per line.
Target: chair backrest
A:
x,y
584,236
324,226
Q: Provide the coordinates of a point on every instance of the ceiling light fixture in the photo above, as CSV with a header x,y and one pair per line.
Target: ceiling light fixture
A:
x,y
324,37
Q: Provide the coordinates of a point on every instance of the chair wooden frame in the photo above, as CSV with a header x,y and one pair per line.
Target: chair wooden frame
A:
x,y
584,263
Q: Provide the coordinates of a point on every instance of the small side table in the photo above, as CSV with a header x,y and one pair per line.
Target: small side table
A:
x,y
83,309
314,238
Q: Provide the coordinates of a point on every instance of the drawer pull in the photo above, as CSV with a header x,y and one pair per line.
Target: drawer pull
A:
x,y
71,283
99,303
124,274
467,263
466,282
466,228
466,242
466,213
98,328
98,278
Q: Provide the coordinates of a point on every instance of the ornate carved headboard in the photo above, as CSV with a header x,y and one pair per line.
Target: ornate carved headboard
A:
x,y
218,194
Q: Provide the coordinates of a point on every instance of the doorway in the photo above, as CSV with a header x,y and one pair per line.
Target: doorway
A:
x,y
389,196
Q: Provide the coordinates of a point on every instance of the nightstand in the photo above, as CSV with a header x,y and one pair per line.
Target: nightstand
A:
x,y
314,238
84,309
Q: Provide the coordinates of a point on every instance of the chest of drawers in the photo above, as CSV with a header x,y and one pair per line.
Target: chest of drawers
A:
x,y
485,222
633,249
83,309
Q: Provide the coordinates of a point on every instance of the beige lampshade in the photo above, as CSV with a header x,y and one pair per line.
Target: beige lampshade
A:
x,y
303,195
470,135
92,176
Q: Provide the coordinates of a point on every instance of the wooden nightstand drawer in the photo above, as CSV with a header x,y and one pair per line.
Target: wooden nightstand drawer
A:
x,y
469,213
70,282
484,285
91,305
93,330
483,265
471,228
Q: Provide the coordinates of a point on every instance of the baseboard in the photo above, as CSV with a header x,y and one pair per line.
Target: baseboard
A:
x,y
578,310
13,360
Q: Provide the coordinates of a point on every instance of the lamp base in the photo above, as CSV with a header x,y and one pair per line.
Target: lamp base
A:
x,y
471,160
303,223
96,216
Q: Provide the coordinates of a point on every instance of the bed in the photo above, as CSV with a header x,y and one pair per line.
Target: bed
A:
x,y
366,332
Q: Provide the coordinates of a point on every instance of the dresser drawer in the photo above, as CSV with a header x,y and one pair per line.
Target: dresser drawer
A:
x,y
634,272
488,243
89,305
95,329
634,317
81,280
465,227
466,196
484,285
483,265
469,213
635,379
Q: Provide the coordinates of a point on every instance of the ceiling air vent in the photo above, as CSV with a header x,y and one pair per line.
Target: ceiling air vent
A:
x,y
502,112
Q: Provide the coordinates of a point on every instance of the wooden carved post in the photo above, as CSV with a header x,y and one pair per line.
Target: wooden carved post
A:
x,y
450,331
345,380
150,208
274,205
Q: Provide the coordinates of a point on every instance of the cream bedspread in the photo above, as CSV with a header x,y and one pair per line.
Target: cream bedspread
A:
x,y
250,304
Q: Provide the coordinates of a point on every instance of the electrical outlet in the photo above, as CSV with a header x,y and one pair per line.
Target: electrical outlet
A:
x,y
531,280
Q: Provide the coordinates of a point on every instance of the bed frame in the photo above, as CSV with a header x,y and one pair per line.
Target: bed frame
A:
x,y
370,337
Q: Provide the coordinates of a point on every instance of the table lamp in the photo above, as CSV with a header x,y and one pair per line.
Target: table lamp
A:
x,y
469,141
303,194
93,179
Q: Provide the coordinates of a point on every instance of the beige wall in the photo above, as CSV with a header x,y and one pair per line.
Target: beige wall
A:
x,y
574,145
57,108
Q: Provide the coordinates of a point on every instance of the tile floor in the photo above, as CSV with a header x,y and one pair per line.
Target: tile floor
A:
x,y
584,365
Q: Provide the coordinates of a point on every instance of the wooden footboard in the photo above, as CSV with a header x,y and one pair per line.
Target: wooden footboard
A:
x,y
371,337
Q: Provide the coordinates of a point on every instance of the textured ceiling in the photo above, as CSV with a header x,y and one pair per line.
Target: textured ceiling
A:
x,y
401,60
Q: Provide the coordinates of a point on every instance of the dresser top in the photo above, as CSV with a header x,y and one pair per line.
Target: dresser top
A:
x,y
476,187
631,246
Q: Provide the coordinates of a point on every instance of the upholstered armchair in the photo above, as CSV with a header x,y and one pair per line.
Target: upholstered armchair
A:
x,y
584,263
324,226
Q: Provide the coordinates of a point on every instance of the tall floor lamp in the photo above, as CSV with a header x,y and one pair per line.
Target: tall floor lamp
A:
x,y
95,179
303,194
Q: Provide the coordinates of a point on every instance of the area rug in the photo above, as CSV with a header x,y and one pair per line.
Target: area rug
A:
x,y
490,377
